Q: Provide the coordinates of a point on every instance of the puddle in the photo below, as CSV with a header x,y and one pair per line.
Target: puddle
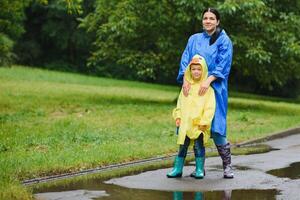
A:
x,y
292,172
114,192
253,149
71,195
242,168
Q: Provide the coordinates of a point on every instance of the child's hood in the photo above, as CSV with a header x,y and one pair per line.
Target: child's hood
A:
x,y
197,59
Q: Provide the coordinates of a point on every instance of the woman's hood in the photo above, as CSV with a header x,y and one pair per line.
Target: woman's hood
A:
x,y
197,59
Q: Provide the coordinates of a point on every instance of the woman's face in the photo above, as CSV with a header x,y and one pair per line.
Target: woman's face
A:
x,y
210,22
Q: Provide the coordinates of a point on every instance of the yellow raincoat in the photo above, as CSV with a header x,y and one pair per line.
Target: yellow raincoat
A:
x,y
195,110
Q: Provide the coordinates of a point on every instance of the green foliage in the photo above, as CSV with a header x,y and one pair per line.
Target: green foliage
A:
x,y
6,46
144,40
53,39
11,27
12,17
31,47
266,45
74,6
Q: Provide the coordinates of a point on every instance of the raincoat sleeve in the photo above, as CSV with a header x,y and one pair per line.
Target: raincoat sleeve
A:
x,y
209,108
177,110
223,60
185,58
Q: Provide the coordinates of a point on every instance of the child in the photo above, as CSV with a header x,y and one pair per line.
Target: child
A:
x,y
193,116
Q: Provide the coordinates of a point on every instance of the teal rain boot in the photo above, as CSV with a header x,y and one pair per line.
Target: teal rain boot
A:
x,y
199,173
177,169
198,196
177,195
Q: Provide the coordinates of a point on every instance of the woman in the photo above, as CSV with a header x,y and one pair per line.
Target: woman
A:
x,y
216,47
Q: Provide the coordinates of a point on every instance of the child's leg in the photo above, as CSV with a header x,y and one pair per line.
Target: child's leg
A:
x,y
184,148
179,160
199,151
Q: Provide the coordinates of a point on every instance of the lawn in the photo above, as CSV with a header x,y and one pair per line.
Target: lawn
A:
x,y
54,122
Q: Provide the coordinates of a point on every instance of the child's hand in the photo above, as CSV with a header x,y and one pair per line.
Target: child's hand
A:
x,y
177,122
202,127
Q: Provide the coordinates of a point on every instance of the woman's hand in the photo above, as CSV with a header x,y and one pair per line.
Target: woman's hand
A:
x,y
186,87
177,122
205,85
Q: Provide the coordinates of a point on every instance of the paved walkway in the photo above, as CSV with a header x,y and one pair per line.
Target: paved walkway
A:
x,y
250,173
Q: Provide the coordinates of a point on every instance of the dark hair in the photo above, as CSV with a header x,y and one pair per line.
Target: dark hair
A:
x,y
213,10
216,34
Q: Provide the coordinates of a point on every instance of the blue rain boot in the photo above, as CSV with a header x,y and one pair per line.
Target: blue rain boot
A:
x,y
177,169
199,173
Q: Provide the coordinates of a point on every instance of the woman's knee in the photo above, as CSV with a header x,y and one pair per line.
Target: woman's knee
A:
x,y
219,139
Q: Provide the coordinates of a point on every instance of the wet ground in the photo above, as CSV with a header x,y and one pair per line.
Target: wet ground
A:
x,y
272,175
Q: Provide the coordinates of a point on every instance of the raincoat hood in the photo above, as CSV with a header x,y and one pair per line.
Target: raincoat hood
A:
x,y
197,59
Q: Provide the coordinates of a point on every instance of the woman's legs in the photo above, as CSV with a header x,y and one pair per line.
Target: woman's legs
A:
x,y
224,151
219,139
179,160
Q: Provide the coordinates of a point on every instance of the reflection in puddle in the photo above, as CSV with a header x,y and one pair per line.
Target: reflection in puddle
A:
x,y
226,195
71,195
292,172
114,192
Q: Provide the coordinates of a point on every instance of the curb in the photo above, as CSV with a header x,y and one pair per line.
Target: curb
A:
x,y
273,136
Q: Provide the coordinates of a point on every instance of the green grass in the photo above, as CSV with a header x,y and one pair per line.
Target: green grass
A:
x,y
54,122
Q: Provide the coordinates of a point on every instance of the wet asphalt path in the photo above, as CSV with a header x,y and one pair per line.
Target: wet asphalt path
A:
x,y
250,173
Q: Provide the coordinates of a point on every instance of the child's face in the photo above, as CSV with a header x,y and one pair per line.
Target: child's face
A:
x,y
196,71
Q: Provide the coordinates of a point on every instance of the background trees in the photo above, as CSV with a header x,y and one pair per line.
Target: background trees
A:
x,y
11,27
266,44
53,39
143,40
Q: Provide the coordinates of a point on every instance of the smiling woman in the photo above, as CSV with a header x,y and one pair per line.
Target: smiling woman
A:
x,y
210,21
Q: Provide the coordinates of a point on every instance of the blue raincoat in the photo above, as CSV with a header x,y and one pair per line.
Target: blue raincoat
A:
x,y
218,57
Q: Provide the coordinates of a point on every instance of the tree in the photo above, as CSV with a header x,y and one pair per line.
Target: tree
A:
x,y
52,37
144,40
12,17
266,54
140,39
11,27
